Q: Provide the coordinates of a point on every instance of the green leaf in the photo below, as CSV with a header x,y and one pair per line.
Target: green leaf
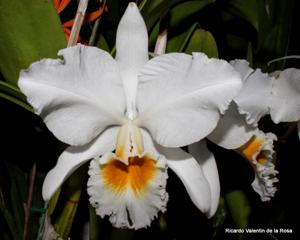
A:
x,y
154,35
53,201
162,223
13,210
246,9
70,196
122,234
30,30
16,101
9,220
97,225
219,219
239,207
14,95
18,194
237,43
153,10
280,16
202,41
12,90
250,54
185,10
179,42
102,43
17,207
275,22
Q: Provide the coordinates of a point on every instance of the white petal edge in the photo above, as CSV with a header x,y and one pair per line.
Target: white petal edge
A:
x,y
181,97
298,125
285,96
265,174
77,97
261,157
254,97
122,206
276,94
141,210
191,174
242,67
186,168
232,130
73,157
131,52
208,164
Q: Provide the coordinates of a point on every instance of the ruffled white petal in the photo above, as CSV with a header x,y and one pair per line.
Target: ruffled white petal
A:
x,y
298,124
264,180
277,94
285,96
242,67
261,159
73,157
254,98
132,52
208,164
232,130
77,97
191,175
181,97
125,208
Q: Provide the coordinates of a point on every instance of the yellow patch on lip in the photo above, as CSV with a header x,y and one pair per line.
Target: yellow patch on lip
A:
x,y
136,175
251,148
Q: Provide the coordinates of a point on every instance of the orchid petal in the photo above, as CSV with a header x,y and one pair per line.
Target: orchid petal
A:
x,y
183,95
232,130
298,125
285,98
133,202
208,164
259,151
73,157
191,175
132,52
254,98
186,168
76,96
242,67
276,94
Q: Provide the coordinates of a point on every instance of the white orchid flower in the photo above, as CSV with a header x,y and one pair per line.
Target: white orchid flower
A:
x,y
277,95
233,132
143,109
238,127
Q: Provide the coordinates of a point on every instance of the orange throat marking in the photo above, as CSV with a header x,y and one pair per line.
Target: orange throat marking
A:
x,y
136,175
252,147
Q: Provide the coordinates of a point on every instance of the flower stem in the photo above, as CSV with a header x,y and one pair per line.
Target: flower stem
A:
x,y
96,25
77,23
161,43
